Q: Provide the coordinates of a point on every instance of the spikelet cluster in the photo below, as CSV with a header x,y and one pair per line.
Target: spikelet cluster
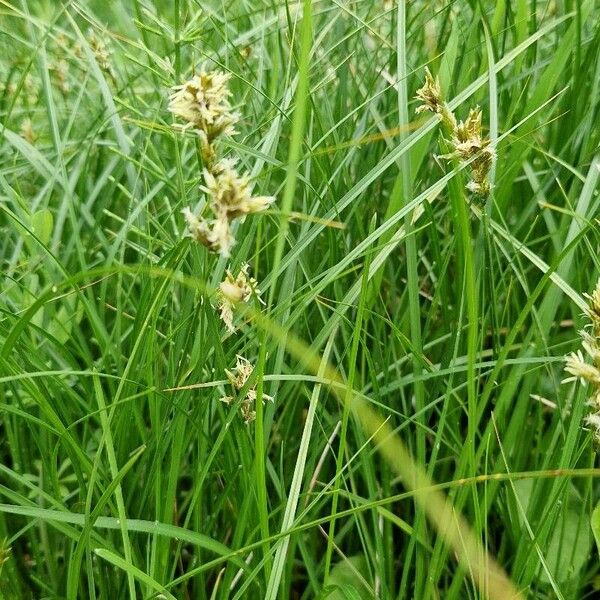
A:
x,y
102,53
593,311
203,104
233,291
63,51
63,57
23,92
60,70
465,141
238,377
585,366
27,132
29,93
430,96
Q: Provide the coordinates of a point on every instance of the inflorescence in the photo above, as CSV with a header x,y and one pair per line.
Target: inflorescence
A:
x,y
465,137
235,290
203,103
238,378
580,369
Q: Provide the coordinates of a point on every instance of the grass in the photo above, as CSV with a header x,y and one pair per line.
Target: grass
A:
x,y
420,443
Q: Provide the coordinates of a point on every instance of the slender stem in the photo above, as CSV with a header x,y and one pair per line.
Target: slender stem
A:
x,y
345,418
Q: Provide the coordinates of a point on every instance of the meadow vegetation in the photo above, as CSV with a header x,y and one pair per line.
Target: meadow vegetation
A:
x,y
288,294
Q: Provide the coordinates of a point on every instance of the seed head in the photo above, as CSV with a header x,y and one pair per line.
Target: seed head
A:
x,y
430,94
432,100
594,401
468,145
221,239
466,141
234,290
480,188
61,72
203,102
215,235
27,132
469,129
231,193
241,372
590,345
579,369
594,308
197,227
575,365
593,421
101,52
238,378
31,89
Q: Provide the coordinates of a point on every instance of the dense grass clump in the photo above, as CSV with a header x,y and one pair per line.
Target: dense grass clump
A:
x,y
287,291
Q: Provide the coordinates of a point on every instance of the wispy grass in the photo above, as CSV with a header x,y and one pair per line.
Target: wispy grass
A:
x,y
420,443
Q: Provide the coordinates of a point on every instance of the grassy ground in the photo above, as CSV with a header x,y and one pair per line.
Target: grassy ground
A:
x,y
420,443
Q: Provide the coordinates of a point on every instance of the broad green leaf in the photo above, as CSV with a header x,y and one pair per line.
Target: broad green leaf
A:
x,y
41,225
348,579
569,546
567,551
68,314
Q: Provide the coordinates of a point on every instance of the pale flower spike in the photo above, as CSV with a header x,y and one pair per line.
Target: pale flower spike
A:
x,y
430,94
575,365
466,141
197,227
27,131
238,378
221,238
234,290
215,234
468,144
230,193
101,53
580,370
593,421
432,100
590,345
203,102
594,308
